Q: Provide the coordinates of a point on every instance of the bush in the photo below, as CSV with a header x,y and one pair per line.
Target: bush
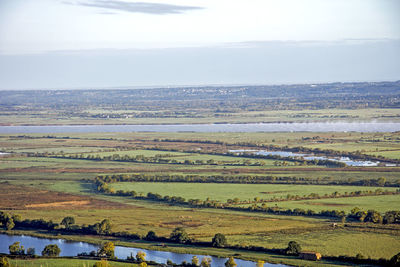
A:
x,y
51,251
395,260
293,248
219,241
4,262
16,249
179,235
151,236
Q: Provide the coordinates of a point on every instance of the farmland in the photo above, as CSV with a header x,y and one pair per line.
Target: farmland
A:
x,y
223,192
50,177
208,183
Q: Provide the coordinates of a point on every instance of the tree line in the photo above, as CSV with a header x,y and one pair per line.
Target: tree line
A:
x,y
163,159
103,187
239,179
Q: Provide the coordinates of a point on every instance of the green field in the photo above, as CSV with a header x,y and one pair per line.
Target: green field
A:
x,y
181,157
378,203
223,192
329,242
73,177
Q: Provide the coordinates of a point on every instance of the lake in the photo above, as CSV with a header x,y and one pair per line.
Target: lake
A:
x,y
248,127
72,248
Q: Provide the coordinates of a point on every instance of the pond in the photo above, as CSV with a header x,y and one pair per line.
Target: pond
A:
x,y
246,127
72,248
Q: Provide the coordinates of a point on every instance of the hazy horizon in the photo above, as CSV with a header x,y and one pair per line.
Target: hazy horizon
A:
x,y
46,44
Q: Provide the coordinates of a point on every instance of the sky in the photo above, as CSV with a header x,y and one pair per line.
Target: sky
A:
x,y
47,44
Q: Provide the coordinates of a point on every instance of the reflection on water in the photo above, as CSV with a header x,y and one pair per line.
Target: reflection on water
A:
x,y
70,248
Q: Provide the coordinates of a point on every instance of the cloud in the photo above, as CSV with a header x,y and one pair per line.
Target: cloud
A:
x,y
136,7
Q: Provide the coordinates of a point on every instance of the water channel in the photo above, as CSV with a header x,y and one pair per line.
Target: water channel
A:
x,y
346,160
72,248
247,127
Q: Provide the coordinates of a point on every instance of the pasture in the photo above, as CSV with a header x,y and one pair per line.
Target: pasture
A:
x,y
329,242
53,188
244,192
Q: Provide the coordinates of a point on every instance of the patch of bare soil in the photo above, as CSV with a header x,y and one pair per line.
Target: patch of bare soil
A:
x,y
14,197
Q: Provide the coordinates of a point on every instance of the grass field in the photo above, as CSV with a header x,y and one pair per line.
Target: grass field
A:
x,y
378,203
223,192
53,188
181,157
329,242
239,227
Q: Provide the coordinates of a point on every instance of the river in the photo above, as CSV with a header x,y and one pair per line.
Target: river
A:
x,y
346,160
247,127
72,248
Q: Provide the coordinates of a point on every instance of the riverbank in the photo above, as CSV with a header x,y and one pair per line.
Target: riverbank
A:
x,y
182,249
64,262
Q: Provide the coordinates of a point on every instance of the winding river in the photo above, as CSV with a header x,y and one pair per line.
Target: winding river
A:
x,y
72,248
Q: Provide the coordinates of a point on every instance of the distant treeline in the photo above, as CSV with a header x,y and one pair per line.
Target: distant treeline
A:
x,y
208,99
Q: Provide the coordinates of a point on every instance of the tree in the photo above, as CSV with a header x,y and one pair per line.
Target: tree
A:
x,y
10,223
219,241
104,228
205,262
381,181
68,221
7,220
395,260
143,264
30,251
16,249
293,248
107,250
4,262
230,262
373,216
195,261
179,235
151,236
141,256
51,251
